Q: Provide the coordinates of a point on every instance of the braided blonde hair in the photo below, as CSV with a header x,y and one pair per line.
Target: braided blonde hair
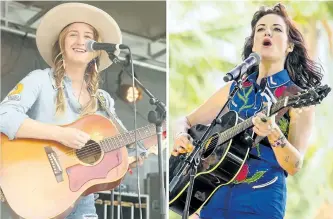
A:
x,y
91,77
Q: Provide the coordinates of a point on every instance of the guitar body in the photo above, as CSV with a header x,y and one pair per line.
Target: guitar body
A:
x,y
219,166
44,179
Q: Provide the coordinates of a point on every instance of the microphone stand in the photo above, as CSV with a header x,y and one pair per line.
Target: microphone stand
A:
x,y
112,203
192,162
156,117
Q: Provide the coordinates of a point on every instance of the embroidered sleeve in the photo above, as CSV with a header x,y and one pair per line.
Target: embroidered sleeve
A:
x,y
14,107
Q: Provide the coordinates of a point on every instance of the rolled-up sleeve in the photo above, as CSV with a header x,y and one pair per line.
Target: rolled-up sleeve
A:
x,y
131,148
14,107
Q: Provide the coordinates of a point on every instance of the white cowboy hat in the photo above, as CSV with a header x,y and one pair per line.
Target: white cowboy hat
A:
x,y
55,20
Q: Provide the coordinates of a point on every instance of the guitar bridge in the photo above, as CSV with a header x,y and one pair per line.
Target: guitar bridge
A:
x,y
55,165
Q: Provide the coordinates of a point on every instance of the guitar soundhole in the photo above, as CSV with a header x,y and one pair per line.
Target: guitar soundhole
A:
x,y
90,153
210,145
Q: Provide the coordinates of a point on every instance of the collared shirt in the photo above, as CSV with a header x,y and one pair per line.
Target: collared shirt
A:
x,y
249,100
34,97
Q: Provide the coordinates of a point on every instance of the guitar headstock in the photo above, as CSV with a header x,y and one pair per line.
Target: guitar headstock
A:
x,y
308,97
304,98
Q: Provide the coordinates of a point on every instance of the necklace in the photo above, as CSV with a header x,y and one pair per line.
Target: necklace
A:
x,y
78,99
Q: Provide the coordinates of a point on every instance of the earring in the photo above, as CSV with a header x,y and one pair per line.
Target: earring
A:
x,y
291,47
63,63
96,69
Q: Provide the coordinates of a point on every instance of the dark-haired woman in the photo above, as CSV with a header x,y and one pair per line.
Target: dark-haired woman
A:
x,y
259,190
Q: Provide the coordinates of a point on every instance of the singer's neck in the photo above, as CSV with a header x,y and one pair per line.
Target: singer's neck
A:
x,y
75,71
269,68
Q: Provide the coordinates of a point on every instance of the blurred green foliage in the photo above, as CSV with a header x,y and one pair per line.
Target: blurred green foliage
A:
x,y
206,40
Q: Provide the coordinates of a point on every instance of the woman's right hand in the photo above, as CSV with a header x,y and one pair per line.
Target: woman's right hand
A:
x,y
182,140
72,137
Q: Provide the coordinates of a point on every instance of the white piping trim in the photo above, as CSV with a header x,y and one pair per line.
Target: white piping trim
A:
x,y
273,98
271,79
266,184
272,86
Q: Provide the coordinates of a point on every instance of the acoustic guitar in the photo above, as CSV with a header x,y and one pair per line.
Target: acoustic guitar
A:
x,y
43,179
225,152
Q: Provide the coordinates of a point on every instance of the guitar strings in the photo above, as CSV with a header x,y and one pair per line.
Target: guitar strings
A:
x,y
107,140
90,150
213,142
115,138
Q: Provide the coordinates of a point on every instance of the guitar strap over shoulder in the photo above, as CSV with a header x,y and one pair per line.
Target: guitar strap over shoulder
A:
x,y
114,119
291,90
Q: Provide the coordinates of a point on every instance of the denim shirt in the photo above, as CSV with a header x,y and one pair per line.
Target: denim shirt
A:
x,y
34,97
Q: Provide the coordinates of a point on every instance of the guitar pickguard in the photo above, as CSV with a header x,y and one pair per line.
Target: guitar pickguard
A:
x,y
79,174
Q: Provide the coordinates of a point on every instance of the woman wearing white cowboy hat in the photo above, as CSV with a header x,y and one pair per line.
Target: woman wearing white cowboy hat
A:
x,y
61,94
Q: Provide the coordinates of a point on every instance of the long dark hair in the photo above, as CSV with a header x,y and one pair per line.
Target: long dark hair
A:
x,y
302,70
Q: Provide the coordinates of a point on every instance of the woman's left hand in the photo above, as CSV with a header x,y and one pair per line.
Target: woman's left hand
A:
x,y
263,125
136,162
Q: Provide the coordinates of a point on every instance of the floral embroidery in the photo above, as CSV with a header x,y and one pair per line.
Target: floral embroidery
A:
x,y
247,84
245,98
251,179
243,173
279,91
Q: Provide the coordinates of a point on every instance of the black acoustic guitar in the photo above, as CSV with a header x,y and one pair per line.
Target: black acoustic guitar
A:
x,y
226,151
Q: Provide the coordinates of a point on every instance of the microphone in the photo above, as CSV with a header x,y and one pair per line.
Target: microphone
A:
x,y
92,45
252,60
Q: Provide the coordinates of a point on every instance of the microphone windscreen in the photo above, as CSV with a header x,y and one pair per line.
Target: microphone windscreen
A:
x,y
89,45
256,56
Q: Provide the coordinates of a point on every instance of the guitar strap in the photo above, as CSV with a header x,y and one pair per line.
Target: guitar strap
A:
x,y
291,90
113,117
117,123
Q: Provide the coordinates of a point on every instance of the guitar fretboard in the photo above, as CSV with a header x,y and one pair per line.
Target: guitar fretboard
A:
x,y
123,139
237,129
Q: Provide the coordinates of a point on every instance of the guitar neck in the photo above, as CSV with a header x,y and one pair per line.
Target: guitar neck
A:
x,y
239,128
121,140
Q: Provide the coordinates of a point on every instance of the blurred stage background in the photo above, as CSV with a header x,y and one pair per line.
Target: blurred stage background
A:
x,y
206,41
143,26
